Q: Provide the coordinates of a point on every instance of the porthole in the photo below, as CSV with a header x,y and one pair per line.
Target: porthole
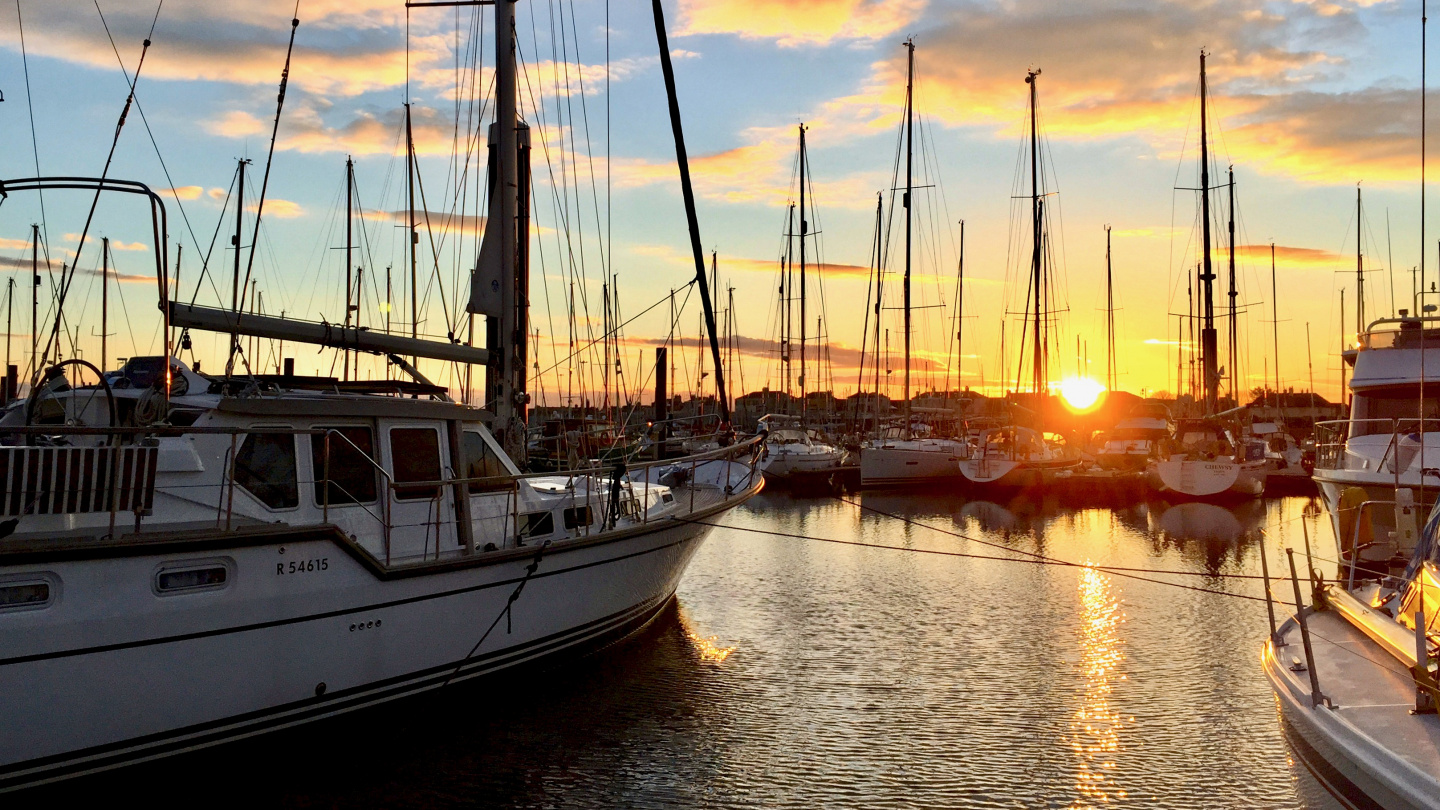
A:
x,y
28,592
192,576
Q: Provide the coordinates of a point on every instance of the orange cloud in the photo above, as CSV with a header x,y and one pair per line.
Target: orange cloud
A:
x,y
182,192
280,209
798,22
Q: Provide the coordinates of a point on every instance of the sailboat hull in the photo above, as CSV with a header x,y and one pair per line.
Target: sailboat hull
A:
x,y
1216,479
911,462
114,673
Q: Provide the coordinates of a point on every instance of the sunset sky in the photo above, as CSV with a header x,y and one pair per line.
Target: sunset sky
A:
x,y
1309,98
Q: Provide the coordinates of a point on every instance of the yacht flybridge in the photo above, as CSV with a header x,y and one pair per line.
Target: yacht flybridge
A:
x,y
190,559
1392,438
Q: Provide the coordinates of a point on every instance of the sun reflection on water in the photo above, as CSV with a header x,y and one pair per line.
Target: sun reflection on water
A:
x,y
707,648
1095,727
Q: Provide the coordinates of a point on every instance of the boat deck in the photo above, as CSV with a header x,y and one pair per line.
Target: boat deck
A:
x,y
1370,696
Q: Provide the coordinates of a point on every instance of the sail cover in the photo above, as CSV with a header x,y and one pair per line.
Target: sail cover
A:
x,y
485,283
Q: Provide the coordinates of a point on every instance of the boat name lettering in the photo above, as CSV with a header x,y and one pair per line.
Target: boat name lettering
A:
x,y
302,566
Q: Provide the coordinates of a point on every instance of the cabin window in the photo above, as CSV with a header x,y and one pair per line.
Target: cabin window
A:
x,y
1400,405
265,467
415,456
209,575
32,592
537,524
577,516
352,470
482,462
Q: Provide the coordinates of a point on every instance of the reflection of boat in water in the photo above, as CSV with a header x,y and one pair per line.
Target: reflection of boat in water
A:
x,y
1207,521
989,516
1205,462
1014,457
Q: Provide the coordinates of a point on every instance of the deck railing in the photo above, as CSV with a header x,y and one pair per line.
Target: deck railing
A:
x,y
1331,438
119,474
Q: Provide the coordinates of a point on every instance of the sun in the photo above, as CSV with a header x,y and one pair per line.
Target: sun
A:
x,y
1080,393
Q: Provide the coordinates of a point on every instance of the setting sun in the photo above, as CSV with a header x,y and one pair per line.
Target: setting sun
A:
x,y
1080,393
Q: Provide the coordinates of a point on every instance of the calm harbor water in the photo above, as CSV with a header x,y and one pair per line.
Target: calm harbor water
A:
x,y
793,673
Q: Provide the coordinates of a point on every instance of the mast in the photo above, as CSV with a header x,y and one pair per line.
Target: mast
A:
x,y
1036,251
34,298
1342,345
803,230
1359,269
787,284
688,192
1209,344
1275,322
1234,327
414,235
909,190
1109,317
104,303
9,330
960,314
349,248
510,394
235,284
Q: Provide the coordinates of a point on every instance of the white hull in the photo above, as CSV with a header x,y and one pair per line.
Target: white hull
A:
x,y
780,465
112,674
1353,766
1218,478
1007,473
931,461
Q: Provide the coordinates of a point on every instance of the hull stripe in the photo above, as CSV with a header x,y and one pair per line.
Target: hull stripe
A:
x,y
23,659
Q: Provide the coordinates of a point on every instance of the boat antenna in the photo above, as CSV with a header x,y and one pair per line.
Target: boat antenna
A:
x,y
683,161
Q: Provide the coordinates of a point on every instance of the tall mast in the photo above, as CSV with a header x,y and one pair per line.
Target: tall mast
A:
x,y
509,403
349,248
1234,327
682,161
1275,322
909,190
104,303
1359,269
960,314
9,328
414,235
1209,345
1342,345
34,298
803,230
879,294
787,285
1036,252
1109,317
235,284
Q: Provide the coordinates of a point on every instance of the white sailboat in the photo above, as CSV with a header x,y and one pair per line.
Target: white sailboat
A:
x,y
223,557
1206,460
1015,456
906,458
